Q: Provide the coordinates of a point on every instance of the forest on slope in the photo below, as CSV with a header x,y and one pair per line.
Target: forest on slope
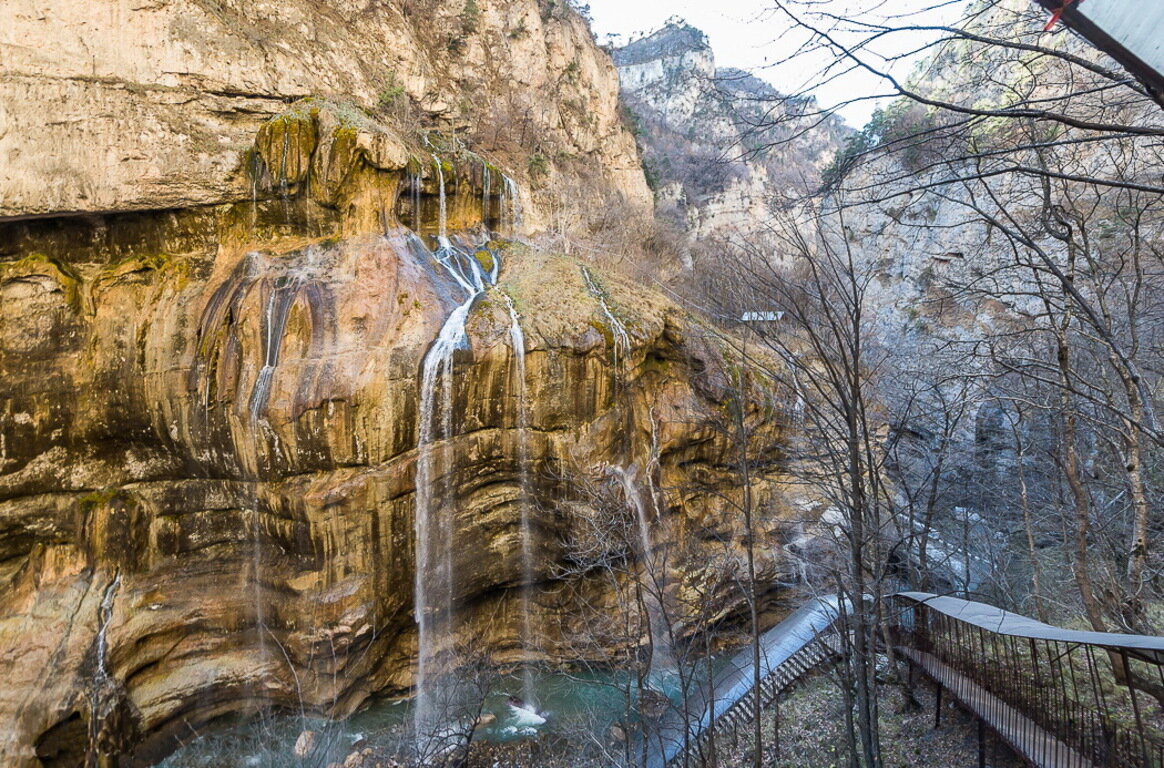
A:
x,y
969,303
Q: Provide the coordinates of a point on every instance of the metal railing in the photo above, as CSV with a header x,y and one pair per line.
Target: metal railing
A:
x,y
1057,697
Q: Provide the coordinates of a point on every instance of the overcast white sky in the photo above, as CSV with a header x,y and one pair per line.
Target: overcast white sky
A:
x,y
746,34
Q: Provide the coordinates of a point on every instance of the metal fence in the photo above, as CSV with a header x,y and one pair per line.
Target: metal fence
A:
x,y
1057,697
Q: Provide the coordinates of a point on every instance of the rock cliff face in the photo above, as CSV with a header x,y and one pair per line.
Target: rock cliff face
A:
x,y
217,287
126,105
716,141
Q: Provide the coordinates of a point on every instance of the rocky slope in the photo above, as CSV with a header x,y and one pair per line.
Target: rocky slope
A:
x,y
215,300
716,142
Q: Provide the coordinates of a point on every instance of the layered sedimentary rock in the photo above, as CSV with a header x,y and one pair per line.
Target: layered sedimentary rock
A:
x,y
209,377
115,105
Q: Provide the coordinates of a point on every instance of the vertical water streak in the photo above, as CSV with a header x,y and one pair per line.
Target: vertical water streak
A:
x,y
618,332
283,292
284,190
517,343
417,221
101,692
434,585
662,656
104,616
510,207
443,220
257,586
279,302
485,196
256,172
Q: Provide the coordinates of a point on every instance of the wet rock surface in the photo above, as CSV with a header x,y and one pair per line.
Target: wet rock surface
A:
x,y
209,381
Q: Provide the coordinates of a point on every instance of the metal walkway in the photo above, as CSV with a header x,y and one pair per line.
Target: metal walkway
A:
x,y
1056,696
788,650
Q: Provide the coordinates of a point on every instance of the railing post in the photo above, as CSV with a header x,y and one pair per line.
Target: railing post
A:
x,y
981,743
776,728
1135,708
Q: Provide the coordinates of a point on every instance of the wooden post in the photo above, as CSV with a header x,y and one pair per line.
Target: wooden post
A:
x,y
938,708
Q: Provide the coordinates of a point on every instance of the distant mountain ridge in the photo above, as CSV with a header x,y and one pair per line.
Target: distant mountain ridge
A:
x,y
715,141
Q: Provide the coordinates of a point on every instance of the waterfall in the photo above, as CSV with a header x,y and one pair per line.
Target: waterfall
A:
x,y
511,219
284,290
416,218
104,616
274,323
617,330
517,342
485,196
443,226
437,695
103,688
654,573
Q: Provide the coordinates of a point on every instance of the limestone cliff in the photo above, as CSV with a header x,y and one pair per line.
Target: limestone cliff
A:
x,y
716,142
217,288
115,105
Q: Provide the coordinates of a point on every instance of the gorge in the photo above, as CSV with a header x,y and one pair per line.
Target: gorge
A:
x,y
408,382
292,414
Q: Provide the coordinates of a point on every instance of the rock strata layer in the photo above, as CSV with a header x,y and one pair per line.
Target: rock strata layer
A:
x,y
212,323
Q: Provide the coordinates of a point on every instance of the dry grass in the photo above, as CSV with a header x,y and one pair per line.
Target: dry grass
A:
x,y
812,732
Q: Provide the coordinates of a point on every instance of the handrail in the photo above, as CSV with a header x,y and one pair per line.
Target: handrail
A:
x,y
1148,649
787,651
1059,697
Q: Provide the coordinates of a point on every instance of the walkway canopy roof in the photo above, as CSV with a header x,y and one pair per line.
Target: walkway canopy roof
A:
x,y
1130,31
1143,647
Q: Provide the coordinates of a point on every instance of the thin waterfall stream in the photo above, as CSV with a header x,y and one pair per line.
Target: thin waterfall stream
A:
x,y
654,579
528,641
436,711
283,294
510,206
100,693
284,290
618,332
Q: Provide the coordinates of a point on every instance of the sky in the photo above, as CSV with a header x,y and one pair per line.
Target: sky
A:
x,y
749,35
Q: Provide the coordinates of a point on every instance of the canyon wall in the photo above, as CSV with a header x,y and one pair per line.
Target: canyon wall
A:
x,y
720,146
217,287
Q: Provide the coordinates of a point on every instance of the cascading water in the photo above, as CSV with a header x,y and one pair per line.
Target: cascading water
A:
x,y
517,342
100,692
662,654
104,616
438,699
510,206
284,290
617,330
443,221
416,217
485,179
279,302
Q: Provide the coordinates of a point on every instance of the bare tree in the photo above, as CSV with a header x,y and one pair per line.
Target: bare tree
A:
x,y
819,358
